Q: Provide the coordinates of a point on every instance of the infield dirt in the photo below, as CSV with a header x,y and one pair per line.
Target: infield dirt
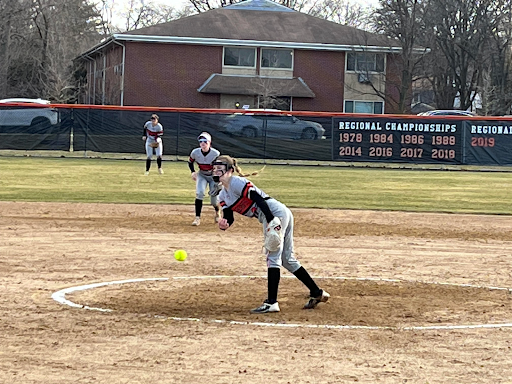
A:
x,y
46,247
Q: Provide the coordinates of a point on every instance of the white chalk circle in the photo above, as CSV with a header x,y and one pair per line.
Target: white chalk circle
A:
x,y
60,297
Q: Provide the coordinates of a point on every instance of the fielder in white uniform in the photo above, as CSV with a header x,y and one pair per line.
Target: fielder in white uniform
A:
x,y
204,157
242,196
152,135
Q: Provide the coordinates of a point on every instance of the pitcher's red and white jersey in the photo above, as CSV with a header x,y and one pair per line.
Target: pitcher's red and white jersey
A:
x,y
236,197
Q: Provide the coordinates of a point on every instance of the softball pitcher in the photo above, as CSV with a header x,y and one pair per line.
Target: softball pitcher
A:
x,y
152,135
204,156
242,196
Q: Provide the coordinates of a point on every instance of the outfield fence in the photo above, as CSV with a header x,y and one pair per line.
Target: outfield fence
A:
x,y
294,135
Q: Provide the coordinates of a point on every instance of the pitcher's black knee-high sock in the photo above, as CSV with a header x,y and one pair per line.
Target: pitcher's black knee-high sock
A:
x,y
308,281
159,162
148,164
274,275
199,207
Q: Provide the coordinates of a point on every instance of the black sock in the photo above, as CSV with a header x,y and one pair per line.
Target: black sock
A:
x,y
199,207
274,275
307,280
159,162
148,164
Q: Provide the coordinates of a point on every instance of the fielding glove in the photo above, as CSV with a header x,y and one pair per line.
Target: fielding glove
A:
x,y
273,235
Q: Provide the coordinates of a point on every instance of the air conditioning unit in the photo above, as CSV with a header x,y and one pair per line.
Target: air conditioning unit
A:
x,y
363,78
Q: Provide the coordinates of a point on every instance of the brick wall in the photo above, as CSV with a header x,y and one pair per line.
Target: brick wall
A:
x,y
168,75
323,72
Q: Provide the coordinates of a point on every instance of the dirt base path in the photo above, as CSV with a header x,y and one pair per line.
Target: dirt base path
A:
x,y
46,247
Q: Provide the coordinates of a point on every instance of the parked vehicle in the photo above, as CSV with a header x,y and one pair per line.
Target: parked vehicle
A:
x,y
277,126
18,115
447,112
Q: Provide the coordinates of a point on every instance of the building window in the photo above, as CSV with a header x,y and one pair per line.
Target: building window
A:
x,y
368,107
276,58
283,103
365,62
240,57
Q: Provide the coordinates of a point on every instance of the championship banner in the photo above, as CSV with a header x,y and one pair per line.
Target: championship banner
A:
x,y
487,142
397,140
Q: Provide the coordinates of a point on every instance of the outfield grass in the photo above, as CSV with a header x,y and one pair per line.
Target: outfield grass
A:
x,y
122,181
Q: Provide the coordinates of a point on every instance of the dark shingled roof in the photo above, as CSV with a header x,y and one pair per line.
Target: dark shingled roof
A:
x,y
264,20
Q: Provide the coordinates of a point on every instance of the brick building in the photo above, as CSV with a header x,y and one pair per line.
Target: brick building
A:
x,y
256,53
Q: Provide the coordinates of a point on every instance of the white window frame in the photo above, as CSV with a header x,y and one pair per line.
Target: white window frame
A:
x,y
363,101
239,66
356,66
283,97
277,49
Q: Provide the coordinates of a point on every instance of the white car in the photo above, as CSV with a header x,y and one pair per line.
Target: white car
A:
x,y
30,115
276,126
447,112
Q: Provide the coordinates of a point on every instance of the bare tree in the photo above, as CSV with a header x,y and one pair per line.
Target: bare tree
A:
x,y
106,9
268,93
342,12
442,81
496,92
401,21
65,29
207,5
461,32
13,18
138,14
38,48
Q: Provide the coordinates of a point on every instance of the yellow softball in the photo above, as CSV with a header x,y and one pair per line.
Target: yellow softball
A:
x,y
180,255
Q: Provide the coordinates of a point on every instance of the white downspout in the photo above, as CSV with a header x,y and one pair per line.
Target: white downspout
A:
x,y
122,71
103,79
92,77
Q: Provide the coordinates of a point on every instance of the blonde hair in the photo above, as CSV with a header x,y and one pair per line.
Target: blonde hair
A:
x,y
231,163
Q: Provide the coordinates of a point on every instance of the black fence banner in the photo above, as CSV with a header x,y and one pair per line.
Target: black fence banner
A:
x,y
244,135
488,142
279,135
397,140
32,129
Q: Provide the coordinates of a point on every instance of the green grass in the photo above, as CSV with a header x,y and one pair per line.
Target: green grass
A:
x,y
122,181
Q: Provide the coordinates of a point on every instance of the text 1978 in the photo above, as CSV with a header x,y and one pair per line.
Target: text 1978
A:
x,y
351,137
